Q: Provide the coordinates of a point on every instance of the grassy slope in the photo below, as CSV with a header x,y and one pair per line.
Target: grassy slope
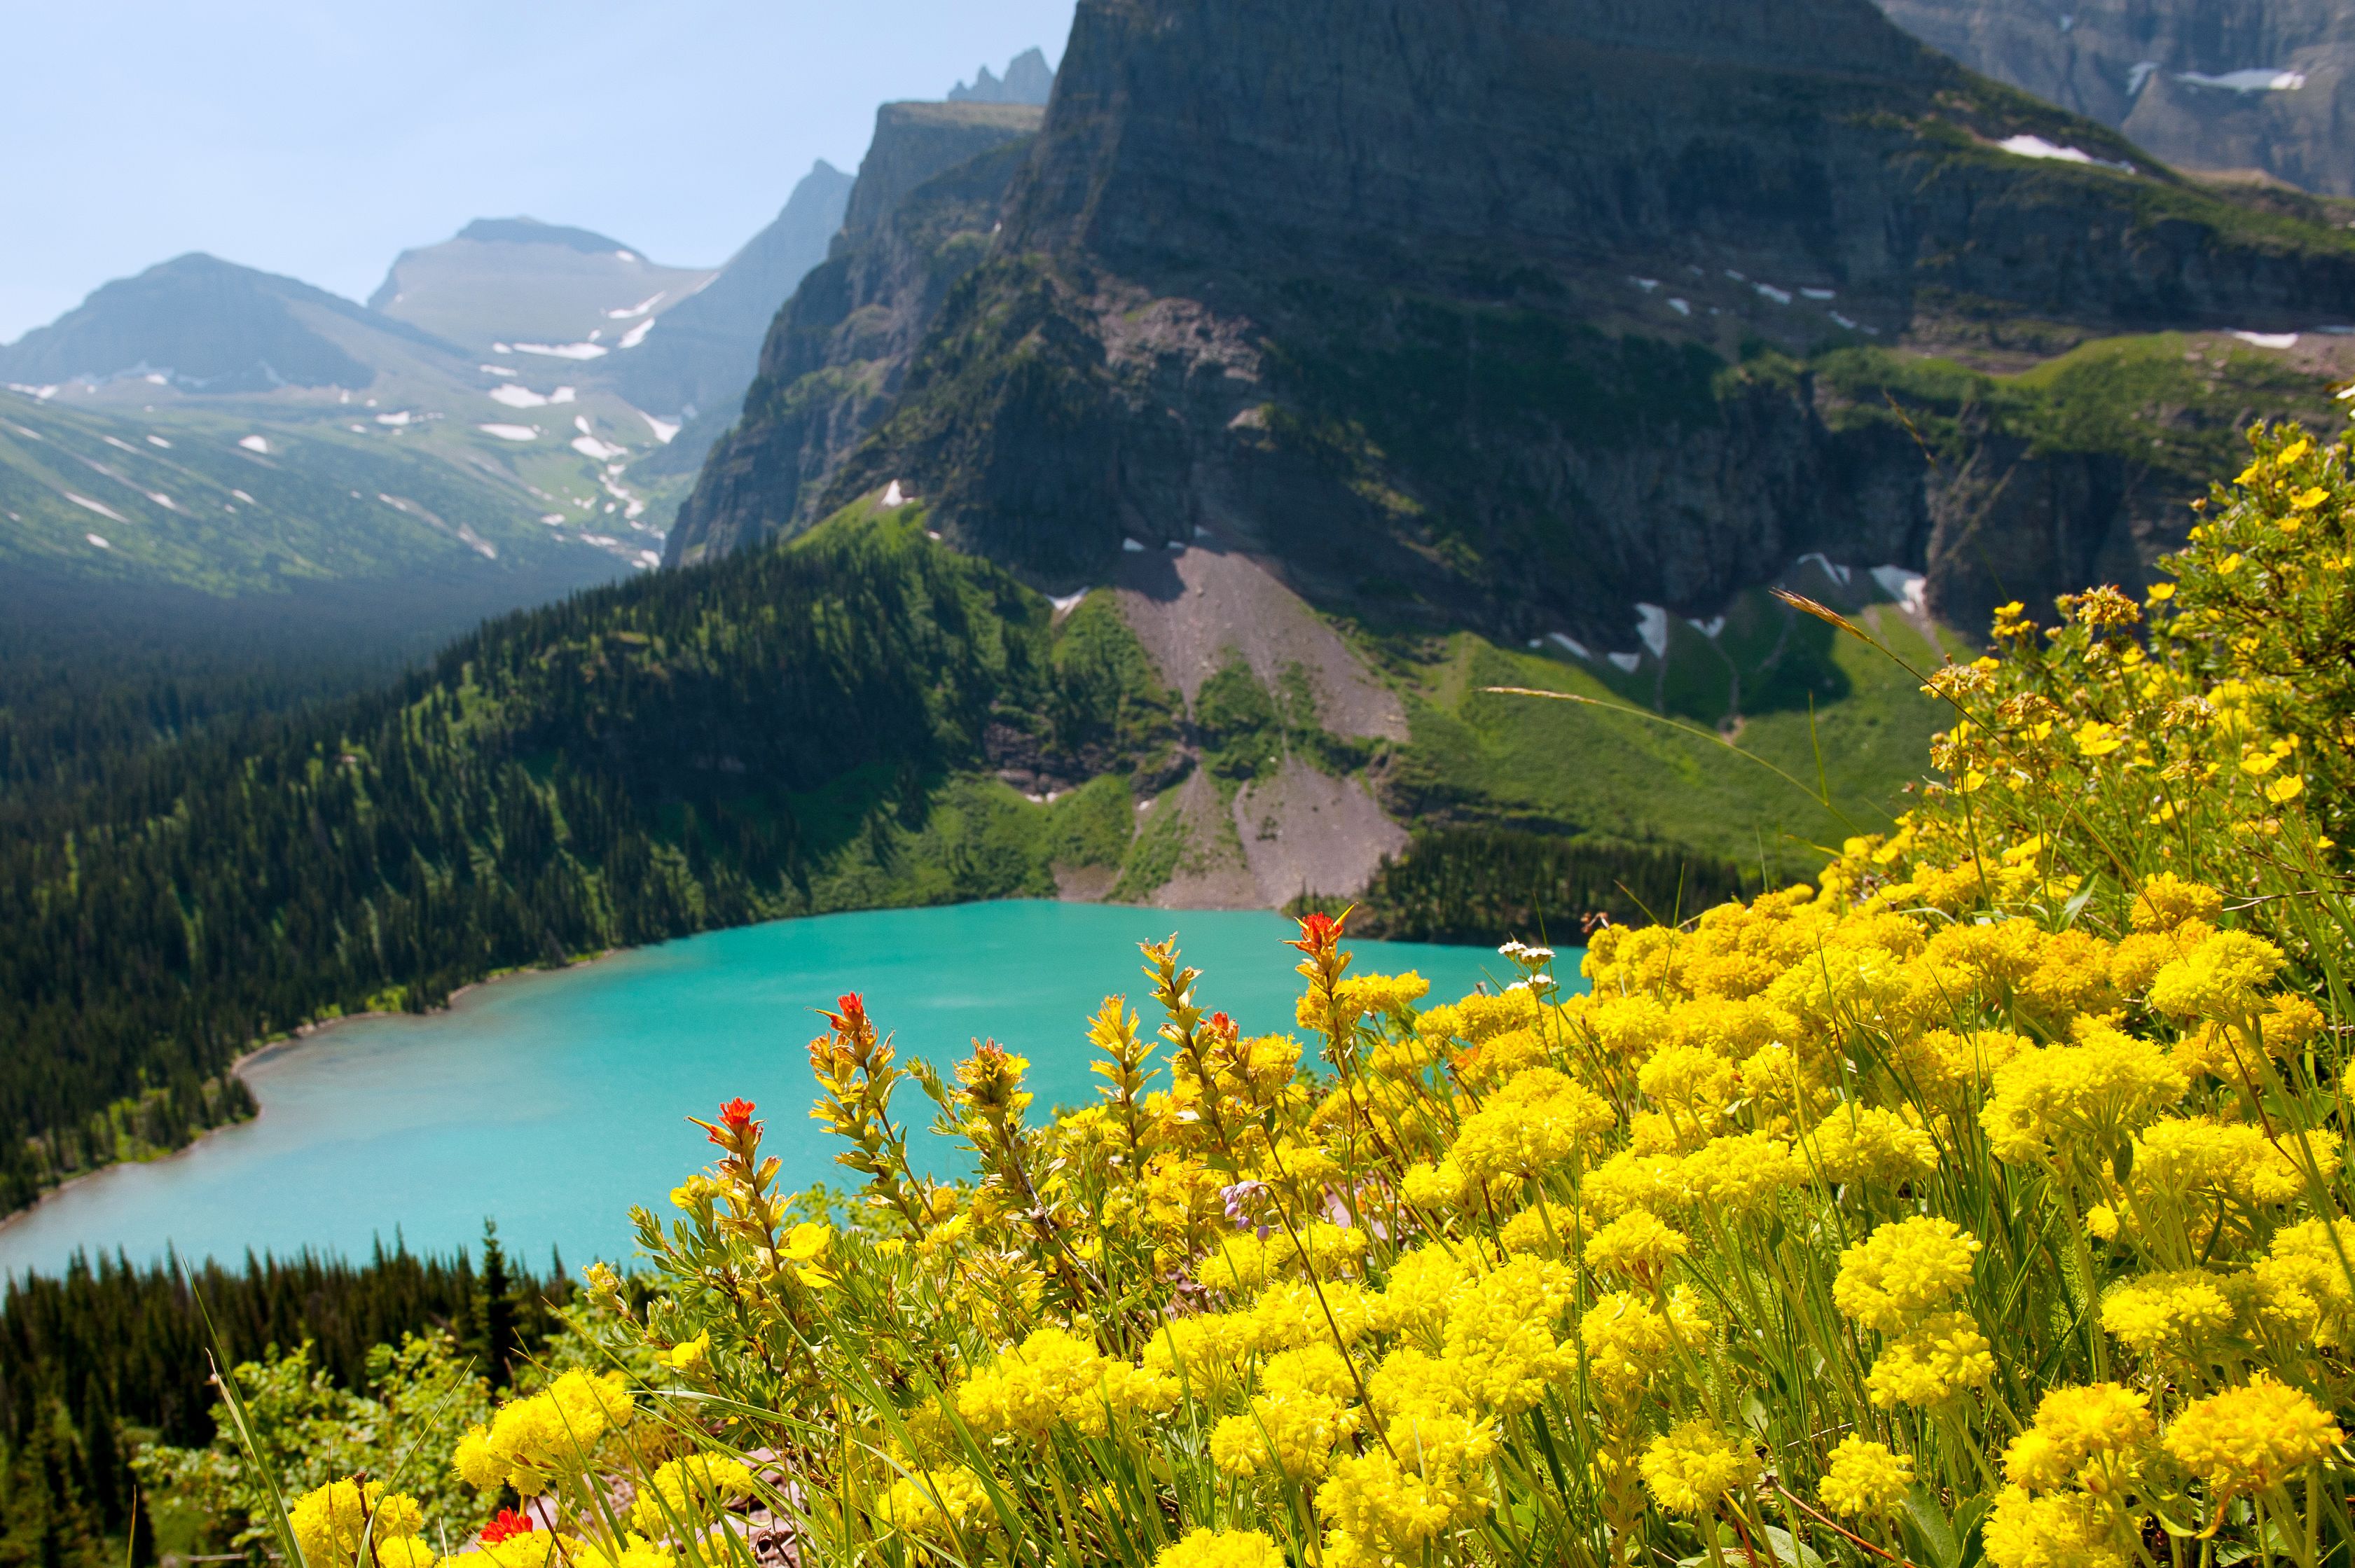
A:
x,y
304,525
1583,770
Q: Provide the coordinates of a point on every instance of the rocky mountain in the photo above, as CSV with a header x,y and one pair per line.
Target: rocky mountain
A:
x,y
551,292
202,324
702,352
2227,85
1520,314
926,204
1028,80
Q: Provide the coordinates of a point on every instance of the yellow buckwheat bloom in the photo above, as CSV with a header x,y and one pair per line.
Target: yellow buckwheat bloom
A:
x,y
1291,1430
1903,1270
1870,1144
684,1493
1501,1333
1055,1376
2059,1530
1637,1246
1865,1478
1939,1358
1220,1548
328,1522
2250,1439
936,1504
2166,901
2085,1437
529,1441
2168,1311
1691,1471
2221,979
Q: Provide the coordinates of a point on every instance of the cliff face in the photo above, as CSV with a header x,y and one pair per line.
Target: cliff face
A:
x,y
921,217
1510,313
2220,85
1504,310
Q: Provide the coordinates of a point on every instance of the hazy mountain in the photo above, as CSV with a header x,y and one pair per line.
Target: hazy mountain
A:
x,y
203,324
518,285
921,216
702,354
1028,80
2264,86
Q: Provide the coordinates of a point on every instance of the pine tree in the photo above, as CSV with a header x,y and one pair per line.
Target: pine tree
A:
x,y
497,1305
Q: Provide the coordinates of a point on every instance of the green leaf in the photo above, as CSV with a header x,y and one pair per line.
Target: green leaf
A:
x,y
1936,1536
1787,1549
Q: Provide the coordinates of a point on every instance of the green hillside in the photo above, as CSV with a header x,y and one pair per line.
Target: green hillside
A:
x,y
224,505
791,731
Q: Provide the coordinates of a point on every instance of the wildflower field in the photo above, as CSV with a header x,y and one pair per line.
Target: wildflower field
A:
x,y
1983,1200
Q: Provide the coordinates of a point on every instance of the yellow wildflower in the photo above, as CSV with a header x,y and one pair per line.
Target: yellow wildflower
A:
x,y
2220,979
2166,901
1903,1270
1689,1470
1203,1548
683,1494
1942,1356
2061,1530
2157,1312
2089,1438
936,1505
1874,1146
1637,1246
1865,1478
328,1522
2251,1438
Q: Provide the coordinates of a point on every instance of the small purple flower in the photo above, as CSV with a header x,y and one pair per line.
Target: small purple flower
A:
x,y
1234,1198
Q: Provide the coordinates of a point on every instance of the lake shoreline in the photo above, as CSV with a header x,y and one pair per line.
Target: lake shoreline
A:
x,y
302,1035
555,1107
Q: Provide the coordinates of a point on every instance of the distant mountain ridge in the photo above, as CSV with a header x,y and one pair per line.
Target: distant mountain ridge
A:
x,y
2228,86
703,353
204,323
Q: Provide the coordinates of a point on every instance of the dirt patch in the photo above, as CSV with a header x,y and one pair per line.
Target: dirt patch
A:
x,y
1212,873
1084,883
1305,832
1189,605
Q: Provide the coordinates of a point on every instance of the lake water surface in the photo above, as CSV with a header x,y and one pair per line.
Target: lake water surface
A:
x,y
555,1101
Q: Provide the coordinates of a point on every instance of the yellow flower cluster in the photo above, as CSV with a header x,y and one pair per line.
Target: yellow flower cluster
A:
x,y
532,1442
330,1523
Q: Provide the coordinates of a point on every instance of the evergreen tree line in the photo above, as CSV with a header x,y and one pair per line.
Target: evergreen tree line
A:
x,y
105,1356
679,752
1475,885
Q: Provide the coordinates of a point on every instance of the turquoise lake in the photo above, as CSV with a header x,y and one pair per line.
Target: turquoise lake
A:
x,y
552,1102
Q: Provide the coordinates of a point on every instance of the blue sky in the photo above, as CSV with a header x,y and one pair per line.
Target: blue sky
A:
x,y
320,139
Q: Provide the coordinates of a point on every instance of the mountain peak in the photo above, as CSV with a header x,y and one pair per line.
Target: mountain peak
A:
x,y
1028,80
206,323
531,231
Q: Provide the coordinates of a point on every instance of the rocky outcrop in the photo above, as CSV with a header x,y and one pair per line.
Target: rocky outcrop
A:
x,y
2266,86
920,217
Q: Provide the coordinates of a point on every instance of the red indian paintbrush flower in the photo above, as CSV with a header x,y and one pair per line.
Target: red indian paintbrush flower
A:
x,y
1319,932
736,1114
509,1522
